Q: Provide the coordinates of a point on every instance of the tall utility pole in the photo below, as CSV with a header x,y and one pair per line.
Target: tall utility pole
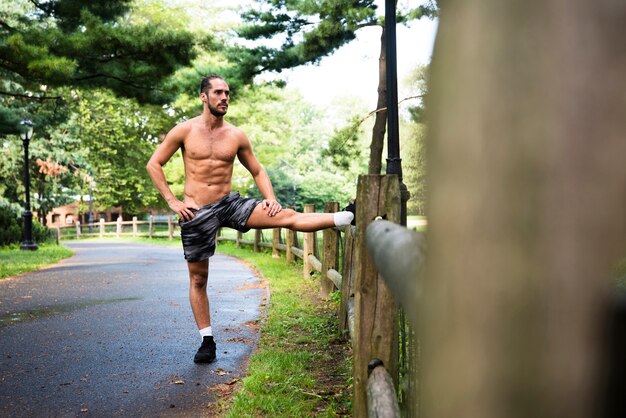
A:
x,y
394,162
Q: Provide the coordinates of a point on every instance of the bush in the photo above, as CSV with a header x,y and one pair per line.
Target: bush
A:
x,y
11,225
41,233
10,228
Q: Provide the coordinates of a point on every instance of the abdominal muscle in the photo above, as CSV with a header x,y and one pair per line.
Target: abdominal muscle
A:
x,y
207,184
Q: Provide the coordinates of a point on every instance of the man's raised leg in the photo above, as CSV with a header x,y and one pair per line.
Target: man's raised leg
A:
x,y
305,222
199,300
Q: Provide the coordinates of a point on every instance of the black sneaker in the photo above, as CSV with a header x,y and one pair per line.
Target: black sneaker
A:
x,y
206,352
352,208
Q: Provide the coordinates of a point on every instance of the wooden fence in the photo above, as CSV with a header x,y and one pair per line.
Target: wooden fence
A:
x,y
368,312
151,229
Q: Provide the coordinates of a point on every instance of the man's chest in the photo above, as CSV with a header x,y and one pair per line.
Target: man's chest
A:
x,y
211,148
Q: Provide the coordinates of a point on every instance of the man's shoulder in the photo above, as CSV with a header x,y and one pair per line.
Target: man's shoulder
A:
x,y
189,123
234,131
183,128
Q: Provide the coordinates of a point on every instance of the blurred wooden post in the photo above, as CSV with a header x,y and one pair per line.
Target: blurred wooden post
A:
x,y
151,226
376,325
58,228
275,242
170,227
308,246
134,226
290,243
527,208
102,230
118,229
238,239
77,229
257,239
331,253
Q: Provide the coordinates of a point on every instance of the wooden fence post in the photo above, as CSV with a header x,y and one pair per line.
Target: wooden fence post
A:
x,y
257,239
376,325
58,228
275,242
170,227
308,246
331,253
134,226
290,243
77,229
101,227
238,239
347,276
118,229
151,226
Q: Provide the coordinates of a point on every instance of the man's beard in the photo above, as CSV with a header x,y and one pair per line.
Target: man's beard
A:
x,y
216,112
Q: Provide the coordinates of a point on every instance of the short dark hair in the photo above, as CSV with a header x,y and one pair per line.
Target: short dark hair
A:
x,y
206,81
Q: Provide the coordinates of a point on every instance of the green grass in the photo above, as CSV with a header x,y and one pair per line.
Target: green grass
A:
x,y
14,261
301,367
419,223
619,272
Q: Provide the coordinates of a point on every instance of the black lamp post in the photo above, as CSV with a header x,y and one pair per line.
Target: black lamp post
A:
x,y
28,243
90,218
394,162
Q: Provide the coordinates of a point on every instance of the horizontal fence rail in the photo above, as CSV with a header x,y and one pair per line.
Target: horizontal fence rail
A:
x,y
382,400
120,228
398,254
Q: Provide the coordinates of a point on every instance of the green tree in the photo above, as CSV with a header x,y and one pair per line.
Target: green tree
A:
x,y
310,31
413,150
82,45
118,136
54,55
414,167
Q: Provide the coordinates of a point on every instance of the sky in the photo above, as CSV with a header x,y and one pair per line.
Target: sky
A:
x,y
353,69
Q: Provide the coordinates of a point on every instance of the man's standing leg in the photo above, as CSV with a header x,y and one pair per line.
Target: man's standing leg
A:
x,y
199,299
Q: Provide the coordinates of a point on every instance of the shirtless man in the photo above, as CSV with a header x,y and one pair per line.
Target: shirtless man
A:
x,y
209,146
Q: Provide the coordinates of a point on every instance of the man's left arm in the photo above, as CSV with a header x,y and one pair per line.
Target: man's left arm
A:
x,y
248,159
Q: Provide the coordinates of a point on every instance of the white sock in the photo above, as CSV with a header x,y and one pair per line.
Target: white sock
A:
x,y
206,332
343,218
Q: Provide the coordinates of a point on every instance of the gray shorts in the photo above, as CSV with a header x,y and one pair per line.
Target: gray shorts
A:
x,y
199,233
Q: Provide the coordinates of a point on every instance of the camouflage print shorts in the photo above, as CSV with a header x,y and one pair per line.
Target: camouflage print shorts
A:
x,y
199,233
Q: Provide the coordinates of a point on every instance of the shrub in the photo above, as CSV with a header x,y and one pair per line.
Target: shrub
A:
x,y
11,225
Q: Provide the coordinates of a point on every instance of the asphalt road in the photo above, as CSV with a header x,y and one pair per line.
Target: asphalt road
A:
x,y
109,332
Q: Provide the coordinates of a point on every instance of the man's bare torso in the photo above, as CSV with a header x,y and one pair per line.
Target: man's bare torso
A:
x,y
209,156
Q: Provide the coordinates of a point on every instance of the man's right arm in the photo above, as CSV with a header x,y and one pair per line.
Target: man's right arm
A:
x,y
172,142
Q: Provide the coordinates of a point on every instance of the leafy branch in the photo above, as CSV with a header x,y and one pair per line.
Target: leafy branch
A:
x,y
27,97
348,135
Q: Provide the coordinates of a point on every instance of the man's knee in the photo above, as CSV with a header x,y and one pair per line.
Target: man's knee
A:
x,y
198,276
198,280
289,213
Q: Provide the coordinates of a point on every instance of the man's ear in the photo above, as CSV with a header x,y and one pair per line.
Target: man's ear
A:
x,y
203,97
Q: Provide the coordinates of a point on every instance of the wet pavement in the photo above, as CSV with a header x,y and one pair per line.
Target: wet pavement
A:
x,y
109,332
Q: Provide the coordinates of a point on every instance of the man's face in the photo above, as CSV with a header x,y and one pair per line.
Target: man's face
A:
x,y
217,97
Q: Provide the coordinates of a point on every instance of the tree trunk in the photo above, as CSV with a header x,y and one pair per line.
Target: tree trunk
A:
x,y
380,124
527,206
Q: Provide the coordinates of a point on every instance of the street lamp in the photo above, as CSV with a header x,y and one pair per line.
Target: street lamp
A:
x,y
394,162
28,243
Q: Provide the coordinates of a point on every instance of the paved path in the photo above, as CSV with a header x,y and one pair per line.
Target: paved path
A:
x,y
109,332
